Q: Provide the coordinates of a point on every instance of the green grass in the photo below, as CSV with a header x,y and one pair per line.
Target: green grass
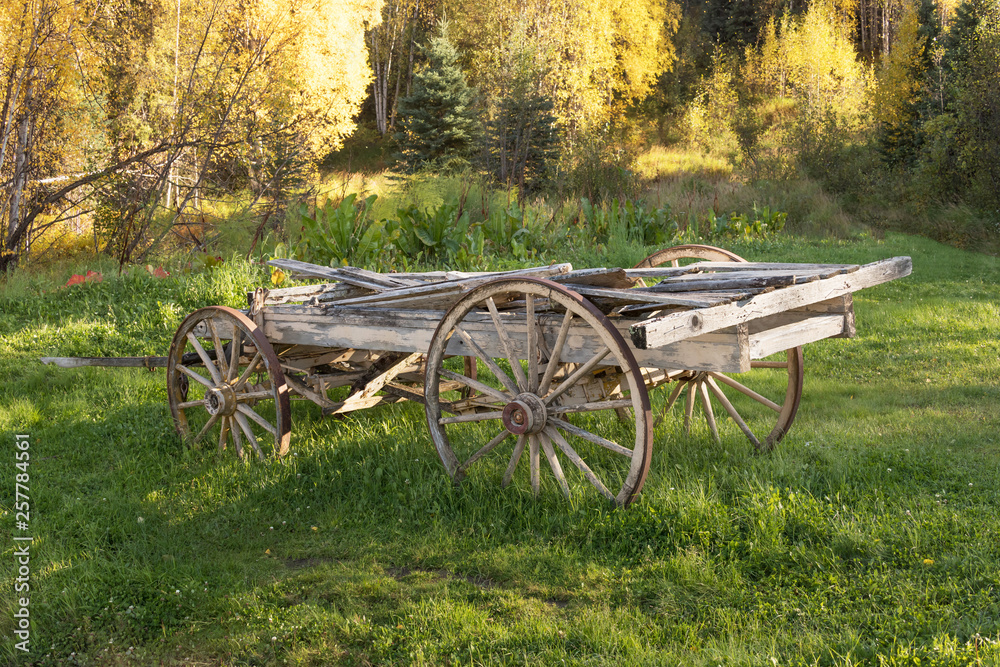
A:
x,y
870,536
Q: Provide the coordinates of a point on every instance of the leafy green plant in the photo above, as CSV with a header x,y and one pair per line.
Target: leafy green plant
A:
x,y
436,233
641,224
508,231
763,223
343,233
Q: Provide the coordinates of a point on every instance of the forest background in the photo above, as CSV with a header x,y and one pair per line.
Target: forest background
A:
x,y
140,128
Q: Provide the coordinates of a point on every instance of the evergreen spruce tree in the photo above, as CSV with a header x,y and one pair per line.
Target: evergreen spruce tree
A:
x,y
439,122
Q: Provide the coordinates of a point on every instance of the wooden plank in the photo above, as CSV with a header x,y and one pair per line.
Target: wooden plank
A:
x,y
661,331
724,296
356,276
728,267
622,296
842,305
725,351
734,281
602,277
304,268
346,274
461,285
807,330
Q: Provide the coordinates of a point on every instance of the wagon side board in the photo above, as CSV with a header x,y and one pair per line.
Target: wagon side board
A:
x,y
668,329
411,331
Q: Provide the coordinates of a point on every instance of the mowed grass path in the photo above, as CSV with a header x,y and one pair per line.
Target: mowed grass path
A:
x,y
871,536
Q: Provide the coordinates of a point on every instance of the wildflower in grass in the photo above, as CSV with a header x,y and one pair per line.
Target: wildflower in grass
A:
x,y
928,561
140,520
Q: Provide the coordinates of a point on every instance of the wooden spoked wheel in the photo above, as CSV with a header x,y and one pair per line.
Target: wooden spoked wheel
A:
x,y
762,402
552,376
232,393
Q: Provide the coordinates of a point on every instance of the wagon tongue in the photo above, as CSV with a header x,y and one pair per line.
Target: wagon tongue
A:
x,y
117,362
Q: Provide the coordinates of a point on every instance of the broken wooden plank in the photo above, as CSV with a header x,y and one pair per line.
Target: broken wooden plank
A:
x,y
661,331
385,280
602,277
318,292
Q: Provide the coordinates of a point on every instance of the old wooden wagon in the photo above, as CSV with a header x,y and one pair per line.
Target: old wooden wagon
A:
x,y
546,363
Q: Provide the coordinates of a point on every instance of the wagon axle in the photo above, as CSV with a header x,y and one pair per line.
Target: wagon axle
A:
x,y
525,415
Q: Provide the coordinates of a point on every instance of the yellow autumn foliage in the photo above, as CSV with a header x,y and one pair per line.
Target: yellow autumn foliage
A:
x,y
812,59
592,57
898,79
320,54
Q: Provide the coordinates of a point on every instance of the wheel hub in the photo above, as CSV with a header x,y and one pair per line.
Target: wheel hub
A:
x,y
221,400
524,415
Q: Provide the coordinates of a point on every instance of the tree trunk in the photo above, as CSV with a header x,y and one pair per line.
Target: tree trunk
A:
x,y
20,167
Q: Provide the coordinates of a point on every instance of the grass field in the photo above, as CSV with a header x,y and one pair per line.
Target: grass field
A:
x,y
870,536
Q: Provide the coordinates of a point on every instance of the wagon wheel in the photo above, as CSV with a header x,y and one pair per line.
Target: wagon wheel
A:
x,y
233,393
764,400
529,390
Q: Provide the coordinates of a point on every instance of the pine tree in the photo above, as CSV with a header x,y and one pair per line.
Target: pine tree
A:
x,y
439,122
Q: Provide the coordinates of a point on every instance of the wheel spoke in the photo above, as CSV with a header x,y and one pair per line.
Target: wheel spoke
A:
x,y
235,347
688,407
190,404
576,375
553,362
249,412
254,396
248,371
557,470
209,364
535,477
248,432
514,458
508,346
220,352
195,376
593,407
529,301
475,384
206,428
763,400
674,393
486,449
733,414
474,417
571,454
706,404
237,438
486,359
587,435
223,433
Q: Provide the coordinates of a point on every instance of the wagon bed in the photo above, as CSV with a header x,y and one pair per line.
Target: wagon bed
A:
x,y
548,361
